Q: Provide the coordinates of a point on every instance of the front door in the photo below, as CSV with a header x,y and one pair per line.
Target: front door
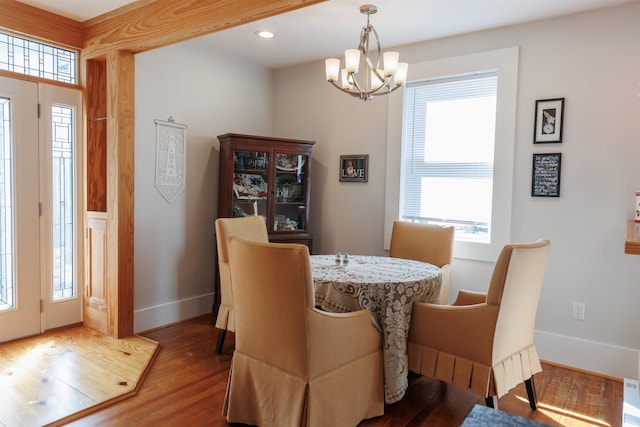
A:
x,y
19,210
39,208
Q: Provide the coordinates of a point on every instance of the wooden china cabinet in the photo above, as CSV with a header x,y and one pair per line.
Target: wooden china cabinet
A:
x,y
270,177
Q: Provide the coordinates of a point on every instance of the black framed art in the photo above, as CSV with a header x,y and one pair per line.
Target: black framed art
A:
x,y
549,121
354,168
545,174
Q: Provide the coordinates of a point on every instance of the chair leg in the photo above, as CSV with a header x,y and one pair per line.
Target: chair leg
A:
x,y
221,334
531,393
491,402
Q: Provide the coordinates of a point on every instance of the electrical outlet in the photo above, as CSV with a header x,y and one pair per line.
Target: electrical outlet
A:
x,y
578,310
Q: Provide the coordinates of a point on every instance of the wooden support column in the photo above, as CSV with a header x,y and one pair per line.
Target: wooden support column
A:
x,y
113,39
120,187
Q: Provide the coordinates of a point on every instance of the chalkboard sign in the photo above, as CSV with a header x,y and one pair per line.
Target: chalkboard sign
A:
x,y
545,180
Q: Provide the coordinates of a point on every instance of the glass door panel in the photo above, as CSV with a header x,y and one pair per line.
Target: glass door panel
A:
x,y
7,282
250,183
63,201
290,193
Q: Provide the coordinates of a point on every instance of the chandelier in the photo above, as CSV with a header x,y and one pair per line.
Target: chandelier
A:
x,y
374,80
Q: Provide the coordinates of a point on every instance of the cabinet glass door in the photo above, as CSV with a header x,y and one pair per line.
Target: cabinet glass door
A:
x,y
290,213
250,183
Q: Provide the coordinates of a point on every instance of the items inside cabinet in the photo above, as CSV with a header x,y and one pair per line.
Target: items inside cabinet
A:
x,y
290,205
250,183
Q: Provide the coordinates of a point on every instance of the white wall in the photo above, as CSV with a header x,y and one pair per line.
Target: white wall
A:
x,y
212,92
591,59
344,216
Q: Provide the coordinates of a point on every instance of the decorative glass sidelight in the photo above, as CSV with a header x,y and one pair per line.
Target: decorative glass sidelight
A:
x,y
63,201
7,279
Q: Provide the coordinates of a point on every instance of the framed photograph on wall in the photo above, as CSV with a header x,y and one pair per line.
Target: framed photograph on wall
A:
x,y
545,174
549,121
354,168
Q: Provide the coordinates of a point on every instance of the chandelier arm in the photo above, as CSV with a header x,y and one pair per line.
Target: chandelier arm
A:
x,y
352,93
364,39
364,48
366,95
354,82
389,90
385,80
375,33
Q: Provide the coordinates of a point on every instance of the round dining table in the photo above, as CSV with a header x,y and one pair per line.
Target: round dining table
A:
x,y
385,286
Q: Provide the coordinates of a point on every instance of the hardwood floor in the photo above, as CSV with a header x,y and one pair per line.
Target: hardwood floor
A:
x,y
187,382
58,376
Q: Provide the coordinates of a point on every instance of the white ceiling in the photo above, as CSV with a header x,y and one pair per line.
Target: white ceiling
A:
x,y
326,29
79,10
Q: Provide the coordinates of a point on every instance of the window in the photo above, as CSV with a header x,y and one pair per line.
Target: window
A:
x,y
37,59
458,172
447,145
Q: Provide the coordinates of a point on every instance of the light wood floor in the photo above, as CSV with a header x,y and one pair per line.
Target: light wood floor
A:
x,y
186,384
52,378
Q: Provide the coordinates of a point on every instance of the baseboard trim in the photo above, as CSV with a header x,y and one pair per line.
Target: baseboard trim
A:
x,y
584,371
150,318
179,322
598,358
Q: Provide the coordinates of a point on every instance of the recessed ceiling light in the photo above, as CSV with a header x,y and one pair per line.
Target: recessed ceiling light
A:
x,y
264,34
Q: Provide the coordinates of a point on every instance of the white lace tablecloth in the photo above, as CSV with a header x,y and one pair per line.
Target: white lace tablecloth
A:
x,y
387,287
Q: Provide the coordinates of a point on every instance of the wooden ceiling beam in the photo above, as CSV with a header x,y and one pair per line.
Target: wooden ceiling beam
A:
x,y
148,24
23,19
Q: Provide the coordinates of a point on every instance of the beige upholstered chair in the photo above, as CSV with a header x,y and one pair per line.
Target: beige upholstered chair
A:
x,y
250,227
294,365
427,243
484,342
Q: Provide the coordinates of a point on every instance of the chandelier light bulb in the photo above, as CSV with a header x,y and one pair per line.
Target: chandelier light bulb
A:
x,y
332,66
390,63
352,60
346,84
400,77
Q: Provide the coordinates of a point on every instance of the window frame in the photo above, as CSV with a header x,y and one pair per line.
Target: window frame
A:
x,y
421,96
505,61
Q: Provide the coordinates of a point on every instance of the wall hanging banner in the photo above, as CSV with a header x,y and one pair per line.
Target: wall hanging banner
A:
x,y
171,139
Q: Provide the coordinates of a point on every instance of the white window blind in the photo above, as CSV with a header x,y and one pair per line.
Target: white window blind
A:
x,y
448,153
